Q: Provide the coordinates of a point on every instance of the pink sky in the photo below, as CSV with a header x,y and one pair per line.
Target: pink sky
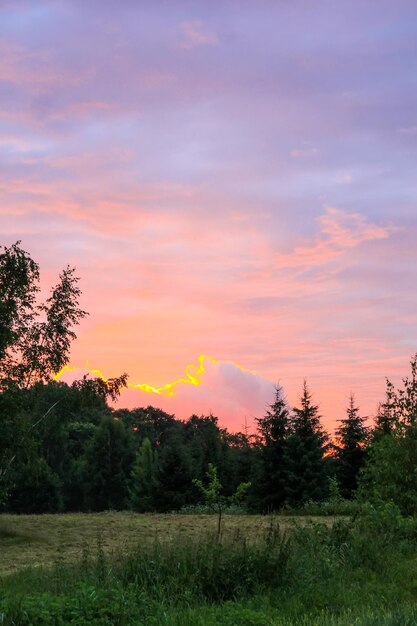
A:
x,y
230,178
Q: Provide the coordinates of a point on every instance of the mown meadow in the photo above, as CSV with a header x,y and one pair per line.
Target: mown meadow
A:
x,y
124,568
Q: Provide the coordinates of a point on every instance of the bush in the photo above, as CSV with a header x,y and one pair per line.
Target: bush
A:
x,y
205,509
326,508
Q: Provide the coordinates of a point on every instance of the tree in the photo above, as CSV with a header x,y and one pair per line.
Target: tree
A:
x,y
205,441
239,463
19,276
67,430
108,465
36,488
213,496
351,449
34,338
390,472
273,430
384,421
307,445
173,475
96,389
149,422
402,402
16,439
143,479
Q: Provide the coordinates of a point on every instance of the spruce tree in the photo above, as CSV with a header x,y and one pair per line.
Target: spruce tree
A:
x,y
273,431
307,443
174,476
108,466
143,479
351,449
387,414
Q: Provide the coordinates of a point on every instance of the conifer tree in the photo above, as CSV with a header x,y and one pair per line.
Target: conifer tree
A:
x,y
307,444
384,423
387,414
108,466
351,449
174,476
143,479
273,430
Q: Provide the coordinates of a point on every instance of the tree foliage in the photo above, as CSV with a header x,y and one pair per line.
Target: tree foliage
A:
x,y
214,497
144,479
108,464
307,445
352,436
35,338
19,276
391,471
273,430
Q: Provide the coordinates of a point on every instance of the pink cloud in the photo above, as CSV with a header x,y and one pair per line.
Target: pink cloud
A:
x,y
195,35
297,153
340,231
37,70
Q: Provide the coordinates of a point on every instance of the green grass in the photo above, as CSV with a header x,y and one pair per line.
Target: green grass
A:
x,y
361,572
37,540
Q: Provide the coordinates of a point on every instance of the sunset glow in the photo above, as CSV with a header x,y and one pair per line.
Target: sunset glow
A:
x,y
229,178
193,376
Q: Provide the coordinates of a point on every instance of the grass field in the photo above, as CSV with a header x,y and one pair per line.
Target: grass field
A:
x,y
35,540
124,569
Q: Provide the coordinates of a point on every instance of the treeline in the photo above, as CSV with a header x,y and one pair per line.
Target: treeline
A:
x,y
63,448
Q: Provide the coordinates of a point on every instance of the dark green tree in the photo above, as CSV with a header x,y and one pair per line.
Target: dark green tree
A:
x,y
384,422
174,476
391,469
239,460
402,402
143,479
273,430
149,422
108,464
350,451
307,444
35,487
204,440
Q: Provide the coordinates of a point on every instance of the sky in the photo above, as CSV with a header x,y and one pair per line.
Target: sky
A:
x,y
232,178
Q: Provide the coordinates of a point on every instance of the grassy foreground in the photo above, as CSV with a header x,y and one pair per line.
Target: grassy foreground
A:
x,y
41,540
173,571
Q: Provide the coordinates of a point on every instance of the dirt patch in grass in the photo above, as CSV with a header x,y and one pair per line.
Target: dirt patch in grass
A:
x,y
34,540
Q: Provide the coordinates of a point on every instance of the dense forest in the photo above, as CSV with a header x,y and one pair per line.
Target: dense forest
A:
x,y
64,448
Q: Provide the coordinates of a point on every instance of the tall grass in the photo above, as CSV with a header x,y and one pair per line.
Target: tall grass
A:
x,y
361,572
